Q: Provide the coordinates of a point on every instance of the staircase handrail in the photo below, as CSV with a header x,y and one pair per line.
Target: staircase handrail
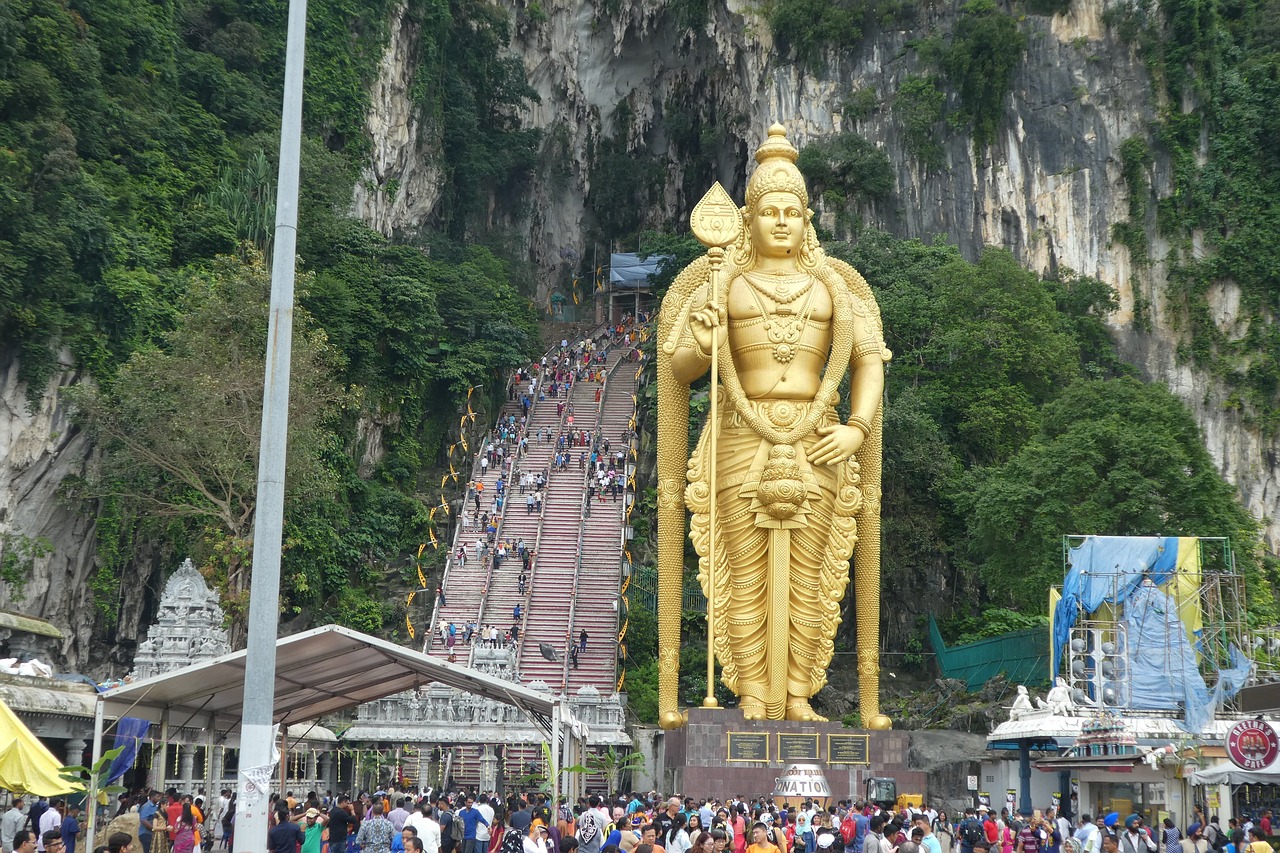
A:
x,y
457,527
582,520
497,535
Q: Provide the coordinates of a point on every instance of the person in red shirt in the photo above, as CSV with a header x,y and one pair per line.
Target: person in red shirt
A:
x,y
988,825
173,811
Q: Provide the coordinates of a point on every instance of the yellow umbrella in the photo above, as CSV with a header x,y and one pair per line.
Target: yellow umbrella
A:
x,y
26,766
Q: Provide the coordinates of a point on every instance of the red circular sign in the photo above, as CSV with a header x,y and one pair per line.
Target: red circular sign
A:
x,y
1252,744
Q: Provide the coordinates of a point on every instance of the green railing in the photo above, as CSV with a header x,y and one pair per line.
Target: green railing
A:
x,y
644,591
1022,656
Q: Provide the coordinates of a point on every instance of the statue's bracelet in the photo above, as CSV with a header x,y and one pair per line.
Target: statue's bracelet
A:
x,y
861,423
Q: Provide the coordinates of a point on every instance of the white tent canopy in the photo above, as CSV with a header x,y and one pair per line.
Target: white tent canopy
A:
x,y
317,672
1227,773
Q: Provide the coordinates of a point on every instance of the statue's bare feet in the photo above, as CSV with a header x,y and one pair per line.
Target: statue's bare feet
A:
x,y
799,709
752,708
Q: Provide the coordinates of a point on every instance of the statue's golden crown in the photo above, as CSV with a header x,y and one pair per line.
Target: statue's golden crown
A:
x,y
776,170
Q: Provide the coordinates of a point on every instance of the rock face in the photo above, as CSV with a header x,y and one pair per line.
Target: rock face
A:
x,y
51,537
1048,188
51,541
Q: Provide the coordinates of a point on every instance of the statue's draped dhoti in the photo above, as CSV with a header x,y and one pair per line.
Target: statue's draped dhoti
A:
x,y
792,527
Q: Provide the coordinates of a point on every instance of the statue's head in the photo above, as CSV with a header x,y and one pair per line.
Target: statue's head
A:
x,y
777,219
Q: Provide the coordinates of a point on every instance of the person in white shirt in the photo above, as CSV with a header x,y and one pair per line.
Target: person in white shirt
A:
x,y
536,840
50,820
482,829
882,844
427,827
1088,835
14,819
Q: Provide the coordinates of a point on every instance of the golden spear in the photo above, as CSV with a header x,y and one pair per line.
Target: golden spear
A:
x,y
716,223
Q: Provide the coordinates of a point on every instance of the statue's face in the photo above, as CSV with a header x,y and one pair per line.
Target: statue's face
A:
x,y
777,226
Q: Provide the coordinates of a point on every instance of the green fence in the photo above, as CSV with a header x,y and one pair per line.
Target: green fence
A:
x,y
644,591
1023,657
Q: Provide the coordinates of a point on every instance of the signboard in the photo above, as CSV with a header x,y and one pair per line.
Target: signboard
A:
x,y
1011,800
800,782
847,749
748,746
984,799
798,747
971,783
1252,744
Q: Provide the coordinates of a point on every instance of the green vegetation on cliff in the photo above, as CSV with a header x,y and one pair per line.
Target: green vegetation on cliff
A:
x,y
1215,67
136,189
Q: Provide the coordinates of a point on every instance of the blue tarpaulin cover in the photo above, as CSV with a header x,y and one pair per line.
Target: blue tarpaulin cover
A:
x,y
129,733
1162,662
630,271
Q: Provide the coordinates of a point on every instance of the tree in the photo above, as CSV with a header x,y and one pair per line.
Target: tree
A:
x,y
1112,457
615,765
180,423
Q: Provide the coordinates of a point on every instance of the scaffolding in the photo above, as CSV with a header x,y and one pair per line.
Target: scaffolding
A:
x,y
1153,625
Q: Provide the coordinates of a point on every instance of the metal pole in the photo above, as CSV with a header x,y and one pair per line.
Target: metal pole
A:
x,y
256,742
554,755
91,798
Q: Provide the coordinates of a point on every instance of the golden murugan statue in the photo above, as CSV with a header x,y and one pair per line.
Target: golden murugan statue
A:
x,y
779,489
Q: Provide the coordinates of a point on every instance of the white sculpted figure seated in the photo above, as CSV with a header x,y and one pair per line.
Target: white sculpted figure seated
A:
x,y
1022,708
1058,700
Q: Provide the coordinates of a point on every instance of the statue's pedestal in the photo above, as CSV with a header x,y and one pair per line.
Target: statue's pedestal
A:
x,y
720,754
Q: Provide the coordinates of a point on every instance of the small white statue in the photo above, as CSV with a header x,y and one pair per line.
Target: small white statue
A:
x,y
1058,700
1022,708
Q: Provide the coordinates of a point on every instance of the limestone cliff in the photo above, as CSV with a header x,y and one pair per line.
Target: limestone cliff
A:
x,y
49,540
1048,188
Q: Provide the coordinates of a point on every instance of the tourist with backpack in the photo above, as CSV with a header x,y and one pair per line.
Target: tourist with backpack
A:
x,y
450,828
970,831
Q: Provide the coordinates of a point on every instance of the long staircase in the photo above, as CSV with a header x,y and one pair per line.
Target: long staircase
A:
x,y
577,557
554,569
464,582
595,607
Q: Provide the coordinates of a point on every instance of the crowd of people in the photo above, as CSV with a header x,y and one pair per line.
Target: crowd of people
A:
x,y
391,821
648,823
161,822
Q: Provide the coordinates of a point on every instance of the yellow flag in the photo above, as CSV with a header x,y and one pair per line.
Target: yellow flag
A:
x,y
1184,586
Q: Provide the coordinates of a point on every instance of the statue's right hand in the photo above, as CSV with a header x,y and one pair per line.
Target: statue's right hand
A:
x,y
707,323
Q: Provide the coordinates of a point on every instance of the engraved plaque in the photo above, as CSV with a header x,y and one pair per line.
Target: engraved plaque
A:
x,y
747,746
798,747
847,749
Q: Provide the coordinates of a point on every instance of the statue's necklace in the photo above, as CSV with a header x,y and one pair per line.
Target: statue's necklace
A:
x,y
784,327
781,289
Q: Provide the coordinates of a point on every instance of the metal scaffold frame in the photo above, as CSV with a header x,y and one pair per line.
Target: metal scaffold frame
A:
x,y
1099,642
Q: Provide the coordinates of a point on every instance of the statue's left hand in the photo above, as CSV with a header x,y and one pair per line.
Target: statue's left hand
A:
x,y
837,444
